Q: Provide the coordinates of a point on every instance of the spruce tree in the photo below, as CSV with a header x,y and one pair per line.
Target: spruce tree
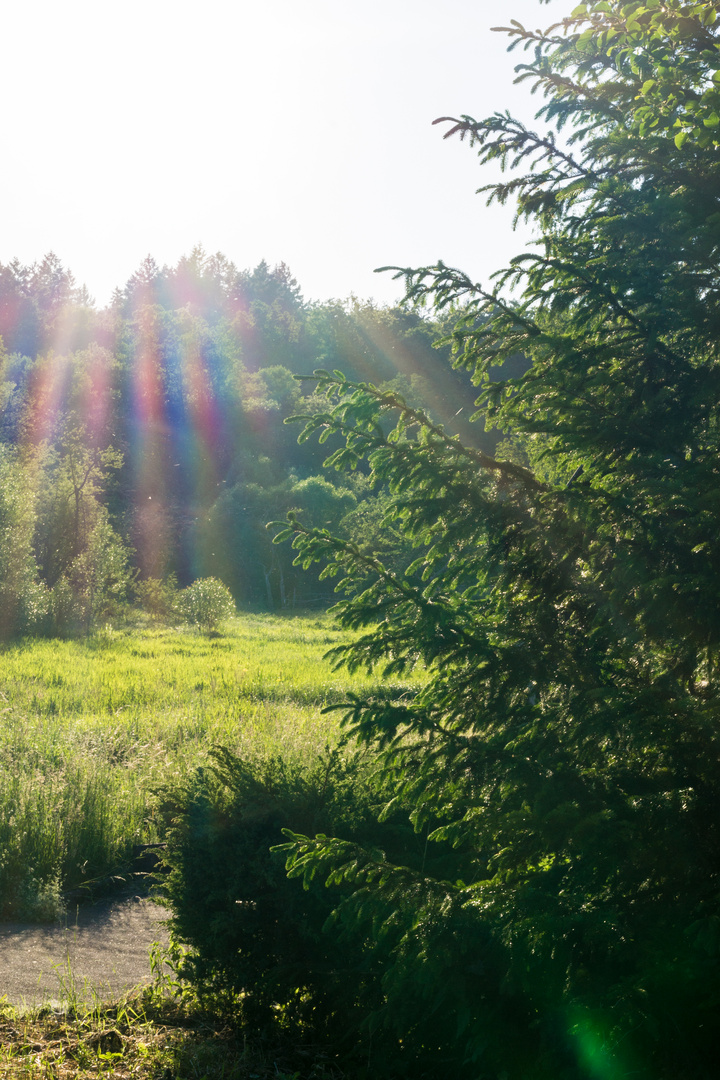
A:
x,y
565,598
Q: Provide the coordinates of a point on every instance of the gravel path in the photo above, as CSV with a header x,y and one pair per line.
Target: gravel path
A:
x,y
99,951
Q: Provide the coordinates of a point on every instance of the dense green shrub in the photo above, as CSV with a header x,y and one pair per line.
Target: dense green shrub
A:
x,y
158,597
24,600
259,943
206,603
251,930
96,584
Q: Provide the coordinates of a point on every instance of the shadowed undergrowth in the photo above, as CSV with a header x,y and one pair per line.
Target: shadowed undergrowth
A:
x,y
149,1037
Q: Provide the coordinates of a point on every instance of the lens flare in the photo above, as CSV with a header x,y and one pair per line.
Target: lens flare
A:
x,y
48,390
596,1056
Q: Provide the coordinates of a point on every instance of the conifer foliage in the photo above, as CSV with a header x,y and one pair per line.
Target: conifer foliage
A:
x,y
565,595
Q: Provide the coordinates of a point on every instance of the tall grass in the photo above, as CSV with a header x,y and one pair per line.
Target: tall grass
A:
x,y
89,729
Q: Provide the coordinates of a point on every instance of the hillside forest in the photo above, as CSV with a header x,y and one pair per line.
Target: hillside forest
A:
x,y
145,442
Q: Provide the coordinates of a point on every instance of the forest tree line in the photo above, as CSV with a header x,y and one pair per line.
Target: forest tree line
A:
x,y
145,442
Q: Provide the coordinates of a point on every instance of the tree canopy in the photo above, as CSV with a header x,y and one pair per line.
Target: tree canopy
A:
x,y
163,415
564,595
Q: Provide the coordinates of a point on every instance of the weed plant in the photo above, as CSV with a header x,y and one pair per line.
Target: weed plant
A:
x,y
90,729
148,1036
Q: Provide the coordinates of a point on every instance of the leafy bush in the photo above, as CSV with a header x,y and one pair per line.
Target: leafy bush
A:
x,y
252,931
24,612
40,900
259,943
24,599
206,603
158,597
95,585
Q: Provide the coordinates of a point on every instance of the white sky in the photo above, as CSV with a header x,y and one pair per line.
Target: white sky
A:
x,y
290,130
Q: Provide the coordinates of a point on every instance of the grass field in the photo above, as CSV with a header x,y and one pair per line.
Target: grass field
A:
x,y
90,728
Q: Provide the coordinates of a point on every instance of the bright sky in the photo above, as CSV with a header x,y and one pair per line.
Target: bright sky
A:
x,y
290,130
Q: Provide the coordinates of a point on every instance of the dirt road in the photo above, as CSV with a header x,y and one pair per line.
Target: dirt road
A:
x,y
97,950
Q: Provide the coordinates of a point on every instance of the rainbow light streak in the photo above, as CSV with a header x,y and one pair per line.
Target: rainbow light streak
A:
x,y
176,429
204,417
96,394
202,428
445,398
177,424
64,331
47,398
147,378
148,449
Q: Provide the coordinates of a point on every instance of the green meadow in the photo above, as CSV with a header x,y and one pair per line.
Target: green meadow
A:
x,y
91,729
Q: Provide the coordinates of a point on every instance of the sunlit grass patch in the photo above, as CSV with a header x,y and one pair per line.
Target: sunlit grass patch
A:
x,y
90,728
